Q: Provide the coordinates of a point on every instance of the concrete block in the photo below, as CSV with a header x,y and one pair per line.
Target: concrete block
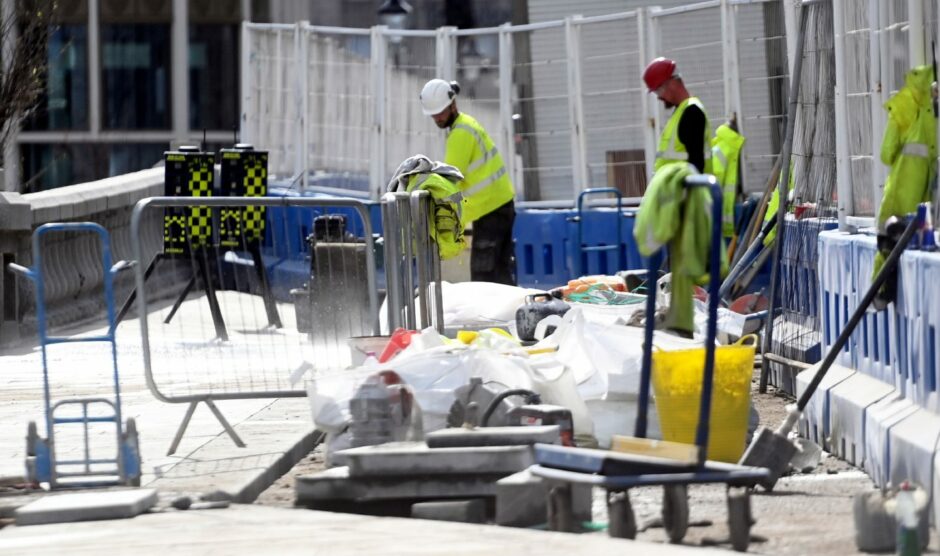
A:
x,y
87,506
879,418
815,422
15,213
848,402
336,484
493,436
522,500
463,511
912,443
876,526
397,459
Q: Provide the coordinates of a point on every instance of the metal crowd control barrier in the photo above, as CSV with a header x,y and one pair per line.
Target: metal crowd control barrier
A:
x,y
187,362
412,262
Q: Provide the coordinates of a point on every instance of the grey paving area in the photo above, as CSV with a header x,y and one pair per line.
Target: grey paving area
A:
x,y
277,431
253,530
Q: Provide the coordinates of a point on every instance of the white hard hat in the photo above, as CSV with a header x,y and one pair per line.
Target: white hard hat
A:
x,y
437,95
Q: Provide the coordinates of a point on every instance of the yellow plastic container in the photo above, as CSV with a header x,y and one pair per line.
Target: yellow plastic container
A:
x,y
677,386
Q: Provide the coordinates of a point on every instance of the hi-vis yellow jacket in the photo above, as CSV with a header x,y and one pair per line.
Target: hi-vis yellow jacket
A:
x,y
726,151
670,148
486,185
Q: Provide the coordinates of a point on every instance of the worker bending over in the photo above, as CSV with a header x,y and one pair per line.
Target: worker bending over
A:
x,y
486,192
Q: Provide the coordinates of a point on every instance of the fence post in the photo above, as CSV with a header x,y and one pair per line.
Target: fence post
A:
x,y
245,134
843,162
579,172
732,77
874,97
917,51
300,100
649,120
377,168
654,48
446,54
507,130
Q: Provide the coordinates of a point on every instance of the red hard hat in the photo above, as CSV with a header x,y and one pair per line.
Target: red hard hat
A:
x,y
658,72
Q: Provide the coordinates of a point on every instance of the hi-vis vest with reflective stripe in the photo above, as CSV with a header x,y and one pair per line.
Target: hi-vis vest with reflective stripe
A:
x,y
726,151
446,226
670,148
486,185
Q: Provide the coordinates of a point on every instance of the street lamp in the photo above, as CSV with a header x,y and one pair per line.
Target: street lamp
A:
x,y
393,13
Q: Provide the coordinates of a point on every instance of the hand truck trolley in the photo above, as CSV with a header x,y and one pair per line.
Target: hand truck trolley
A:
x,y
617,472
42,466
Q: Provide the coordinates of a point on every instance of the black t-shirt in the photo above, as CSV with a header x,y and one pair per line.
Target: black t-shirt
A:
x,y
692,135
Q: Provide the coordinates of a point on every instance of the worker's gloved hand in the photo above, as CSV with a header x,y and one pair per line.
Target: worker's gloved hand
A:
x,y
887,239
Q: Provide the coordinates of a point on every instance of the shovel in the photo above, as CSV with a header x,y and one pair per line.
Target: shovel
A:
x,y
773,449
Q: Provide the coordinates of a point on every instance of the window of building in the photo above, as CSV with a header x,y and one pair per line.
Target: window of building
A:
x,y
64,103
135,75
47,166
213,76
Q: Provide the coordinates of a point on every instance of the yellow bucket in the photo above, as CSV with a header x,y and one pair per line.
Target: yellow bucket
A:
x,y
677,386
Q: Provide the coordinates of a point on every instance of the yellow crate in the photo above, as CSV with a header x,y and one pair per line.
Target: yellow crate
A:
x,y
677,386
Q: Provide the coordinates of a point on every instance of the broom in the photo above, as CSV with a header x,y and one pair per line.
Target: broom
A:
x,y
773,449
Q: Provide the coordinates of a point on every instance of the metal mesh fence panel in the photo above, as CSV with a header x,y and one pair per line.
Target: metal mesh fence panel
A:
x,y
543,128
859,98
410,63
271,113
762,62
339,108
613,97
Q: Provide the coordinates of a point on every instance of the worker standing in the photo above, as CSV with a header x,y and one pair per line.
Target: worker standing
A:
x,y
685,137
486,192
668,213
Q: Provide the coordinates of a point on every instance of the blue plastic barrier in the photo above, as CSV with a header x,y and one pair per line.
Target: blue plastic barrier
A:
x,y
546,245
836,290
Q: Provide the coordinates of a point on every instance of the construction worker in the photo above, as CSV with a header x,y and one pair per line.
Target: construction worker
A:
x,y
909,148
685,137
486,192
668,214
726,152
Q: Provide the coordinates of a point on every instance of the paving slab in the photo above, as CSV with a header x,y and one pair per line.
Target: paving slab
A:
x,y
493,436
336,484
86,506
411,459
252,530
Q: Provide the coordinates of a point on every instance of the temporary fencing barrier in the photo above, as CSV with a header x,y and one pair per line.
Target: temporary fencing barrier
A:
x,y
562,99
248,348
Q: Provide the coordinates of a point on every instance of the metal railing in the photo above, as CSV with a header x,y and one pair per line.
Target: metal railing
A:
x,y
242,352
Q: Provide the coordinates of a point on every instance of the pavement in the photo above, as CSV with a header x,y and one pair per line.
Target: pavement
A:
x,y
252,530
277,432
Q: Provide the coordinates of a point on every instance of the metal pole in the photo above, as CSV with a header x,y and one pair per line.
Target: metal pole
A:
x,y
874,99
843,162
507,129
420,207
446,54
782,192
179,53
392,230
579,172
917,51
245,133
377,170
408,282
649,122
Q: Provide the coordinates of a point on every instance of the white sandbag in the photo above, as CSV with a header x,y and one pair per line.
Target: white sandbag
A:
x,y
474,305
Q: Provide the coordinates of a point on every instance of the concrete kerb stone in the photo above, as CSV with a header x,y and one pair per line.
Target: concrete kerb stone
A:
x,y
462,511
15,213
522,500
86,506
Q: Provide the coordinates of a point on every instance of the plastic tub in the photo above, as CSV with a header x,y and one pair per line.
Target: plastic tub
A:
x,y
677,386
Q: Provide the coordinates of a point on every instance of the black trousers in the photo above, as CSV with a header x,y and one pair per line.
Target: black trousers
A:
x,y
491,253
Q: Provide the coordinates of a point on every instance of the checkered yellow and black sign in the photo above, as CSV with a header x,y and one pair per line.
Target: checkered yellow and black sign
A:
x,y
244,174
187,174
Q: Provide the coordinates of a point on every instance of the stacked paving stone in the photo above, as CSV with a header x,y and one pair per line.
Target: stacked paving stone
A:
x,y
470,475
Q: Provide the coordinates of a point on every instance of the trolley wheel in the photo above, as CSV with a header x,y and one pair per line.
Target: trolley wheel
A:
x,y
132,441
620,517
32,437
739,518
561,509
676,511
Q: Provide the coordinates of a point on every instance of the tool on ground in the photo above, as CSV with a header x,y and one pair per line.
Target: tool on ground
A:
x,y
42,463
774,449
